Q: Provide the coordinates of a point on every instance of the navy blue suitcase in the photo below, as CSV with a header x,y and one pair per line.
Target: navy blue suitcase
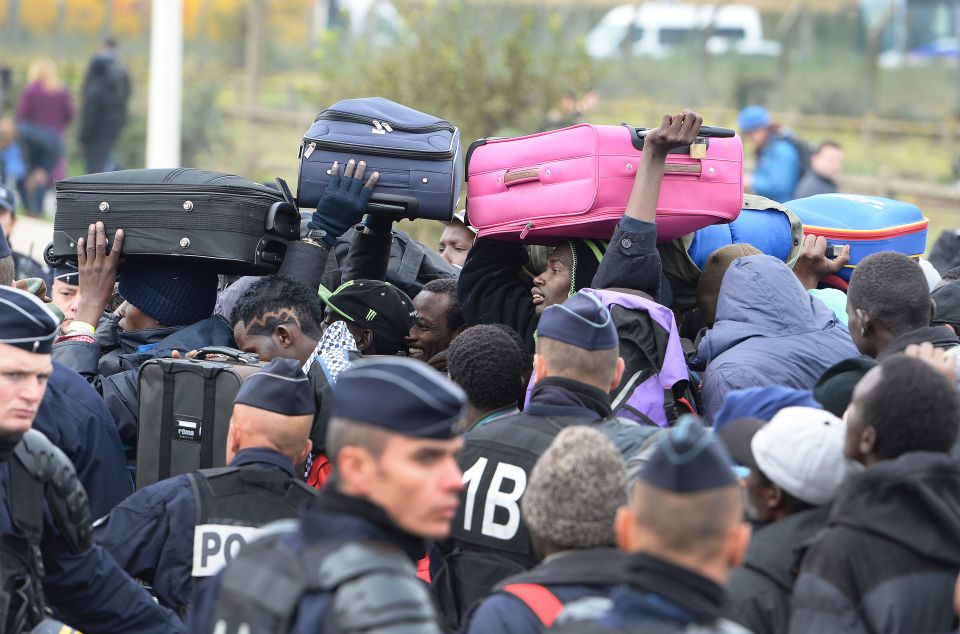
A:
x,y
417,155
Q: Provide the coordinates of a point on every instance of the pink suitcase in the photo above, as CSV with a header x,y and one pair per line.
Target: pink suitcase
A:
x,y
575,182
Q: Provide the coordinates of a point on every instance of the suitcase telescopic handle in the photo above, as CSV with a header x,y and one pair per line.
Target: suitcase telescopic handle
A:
x,y
401,206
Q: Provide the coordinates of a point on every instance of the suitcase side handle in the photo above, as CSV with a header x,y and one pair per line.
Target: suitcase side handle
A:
x,y
283,219
231,353
518,177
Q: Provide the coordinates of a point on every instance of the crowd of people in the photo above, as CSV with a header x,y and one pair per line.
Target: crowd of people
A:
x,y
454,450
33,141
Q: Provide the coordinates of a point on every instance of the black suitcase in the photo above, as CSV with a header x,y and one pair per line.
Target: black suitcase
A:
x,y
185,409
233,224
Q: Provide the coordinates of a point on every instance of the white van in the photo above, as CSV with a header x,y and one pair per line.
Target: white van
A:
x,y
655,29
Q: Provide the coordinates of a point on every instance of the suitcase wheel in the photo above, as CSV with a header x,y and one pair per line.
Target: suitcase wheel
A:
x,y
49,258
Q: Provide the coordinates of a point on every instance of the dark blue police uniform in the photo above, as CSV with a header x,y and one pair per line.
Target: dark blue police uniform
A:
x,y
89,590
570,576
346,562
82,583
75,419
483,531
154,534
151,534
658,593
333,518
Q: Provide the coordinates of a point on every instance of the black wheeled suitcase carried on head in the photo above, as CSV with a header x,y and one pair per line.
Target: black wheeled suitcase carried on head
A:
x,y
185,409
233,224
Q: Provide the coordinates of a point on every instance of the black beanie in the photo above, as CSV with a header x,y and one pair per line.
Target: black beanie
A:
x,y
947,299
172,292
834,390
586,261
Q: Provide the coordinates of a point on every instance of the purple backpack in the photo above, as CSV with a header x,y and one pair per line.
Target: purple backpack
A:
x,y
655,388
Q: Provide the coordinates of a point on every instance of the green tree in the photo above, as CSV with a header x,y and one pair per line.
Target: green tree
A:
x,y
489,74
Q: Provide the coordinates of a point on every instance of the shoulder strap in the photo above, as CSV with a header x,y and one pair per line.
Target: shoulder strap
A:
x,y
199,499
410,261
25,493
260,589
539,599
213,487
44,463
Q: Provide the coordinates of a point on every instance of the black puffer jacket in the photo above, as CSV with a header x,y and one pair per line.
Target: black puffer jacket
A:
x,y
888,562
758,592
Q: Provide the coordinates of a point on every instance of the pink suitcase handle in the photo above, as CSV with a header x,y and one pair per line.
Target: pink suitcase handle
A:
x,y
532,174
518,177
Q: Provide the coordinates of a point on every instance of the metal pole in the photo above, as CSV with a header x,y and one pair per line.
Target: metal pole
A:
x,y
166,84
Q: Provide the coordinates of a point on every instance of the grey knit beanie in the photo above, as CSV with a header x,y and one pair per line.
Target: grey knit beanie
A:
x,y
575,490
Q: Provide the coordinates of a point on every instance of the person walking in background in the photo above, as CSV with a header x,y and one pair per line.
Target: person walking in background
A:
x,y
105,93
45,110
826,163
779,164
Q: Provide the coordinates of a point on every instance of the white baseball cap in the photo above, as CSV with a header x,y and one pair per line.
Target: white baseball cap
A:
x,y
462,217
801,451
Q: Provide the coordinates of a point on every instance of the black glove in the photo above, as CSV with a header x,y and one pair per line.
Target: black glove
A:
x,y
343,201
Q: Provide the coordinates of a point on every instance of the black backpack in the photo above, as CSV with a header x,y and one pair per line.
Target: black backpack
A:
x,y
804,151
411,265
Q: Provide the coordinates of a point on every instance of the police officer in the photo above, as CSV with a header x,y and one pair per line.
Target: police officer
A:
x,y
577,365
182,530
570,504
74,418
684,525
65,292
46,556
348,565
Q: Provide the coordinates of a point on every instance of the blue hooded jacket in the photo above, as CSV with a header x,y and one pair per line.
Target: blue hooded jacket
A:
x,y
769,331
778,169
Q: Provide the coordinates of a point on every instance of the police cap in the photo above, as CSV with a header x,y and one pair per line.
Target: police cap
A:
x,y
280,387
688,458
400,395
581,321
25,322
67,273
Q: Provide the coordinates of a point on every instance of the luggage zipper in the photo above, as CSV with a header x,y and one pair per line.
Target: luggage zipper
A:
x,y
336,115
313,144
151,190
867,234
526,229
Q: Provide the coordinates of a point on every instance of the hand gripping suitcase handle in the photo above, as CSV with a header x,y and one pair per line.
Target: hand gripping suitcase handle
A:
x,y
637,136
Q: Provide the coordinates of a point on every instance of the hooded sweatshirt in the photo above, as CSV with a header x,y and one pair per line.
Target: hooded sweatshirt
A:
x,y
768,331
490,290
889,560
